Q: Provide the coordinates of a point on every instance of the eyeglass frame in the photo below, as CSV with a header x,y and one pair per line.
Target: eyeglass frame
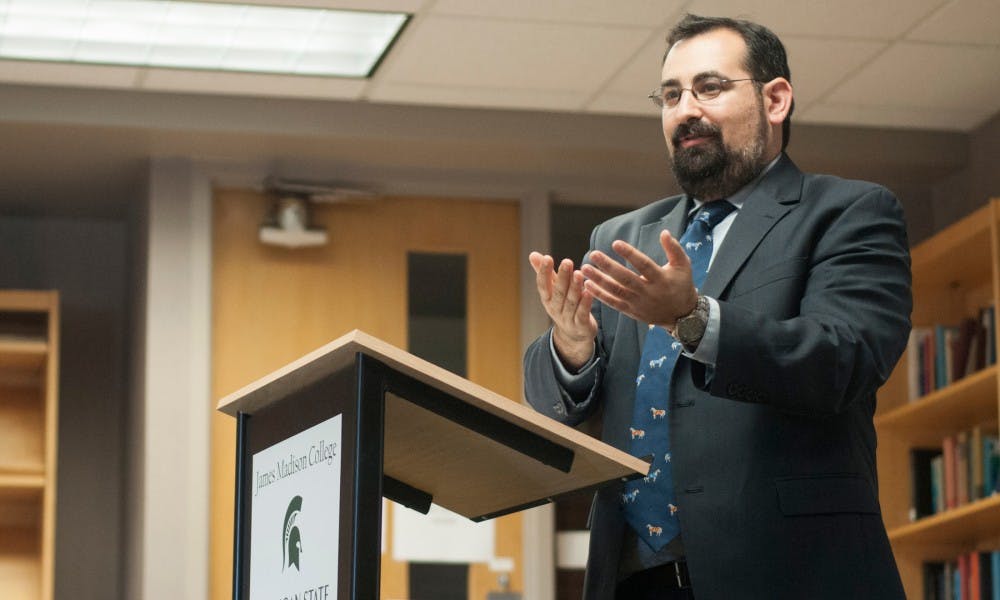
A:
x,y
657,94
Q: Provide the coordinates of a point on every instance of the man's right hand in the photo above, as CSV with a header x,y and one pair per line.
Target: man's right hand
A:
x,y
568,305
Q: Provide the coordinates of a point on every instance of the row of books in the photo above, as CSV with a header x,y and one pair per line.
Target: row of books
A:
x,y
972,576
941,355
964,469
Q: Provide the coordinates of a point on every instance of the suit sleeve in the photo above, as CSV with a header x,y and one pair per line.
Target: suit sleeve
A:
x,y
851,328
548,396
544,389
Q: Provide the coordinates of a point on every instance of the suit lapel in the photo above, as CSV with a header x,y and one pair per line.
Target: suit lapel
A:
x,y
649,244
774,196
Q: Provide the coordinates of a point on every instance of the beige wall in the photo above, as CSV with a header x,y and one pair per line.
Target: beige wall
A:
x,y
977,180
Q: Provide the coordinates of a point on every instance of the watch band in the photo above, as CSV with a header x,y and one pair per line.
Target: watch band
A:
x,y
690,328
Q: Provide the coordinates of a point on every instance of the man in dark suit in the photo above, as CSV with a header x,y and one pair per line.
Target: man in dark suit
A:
x,y
768,412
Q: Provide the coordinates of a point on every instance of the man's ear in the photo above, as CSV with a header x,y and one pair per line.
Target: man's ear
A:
x,y
777,95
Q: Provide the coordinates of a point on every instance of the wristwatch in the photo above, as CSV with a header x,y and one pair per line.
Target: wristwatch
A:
x,y
689,329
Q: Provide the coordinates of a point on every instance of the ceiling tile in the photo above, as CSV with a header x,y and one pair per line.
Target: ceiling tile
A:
x,y
409,93
642,71
642,13
962,22
820,65
455,51
889,116
256,84
870,19
926,76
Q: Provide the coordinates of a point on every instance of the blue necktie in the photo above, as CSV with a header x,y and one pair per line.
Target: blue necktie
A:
x,y
649,502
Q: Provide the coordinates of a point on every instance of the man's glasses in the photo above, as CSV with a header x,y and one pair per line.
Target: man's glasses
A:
x,y
708,88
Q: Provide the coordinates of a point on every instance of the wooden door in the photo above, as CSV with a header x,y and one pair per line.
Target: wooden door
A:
x,y
272,305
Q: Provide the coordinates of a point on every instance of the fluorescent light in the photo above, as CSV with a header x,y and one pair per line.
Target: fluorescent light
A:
x,y
198,35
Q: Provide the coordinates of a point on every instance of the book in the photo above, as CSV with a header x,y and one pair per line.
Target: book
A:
x,y
922,490
950,475
934,580
937,484
988,320
927,355
995,573
986,576
976,463
941,354
964,589
962,469
976,360
991,464
974,582
940,357
917,387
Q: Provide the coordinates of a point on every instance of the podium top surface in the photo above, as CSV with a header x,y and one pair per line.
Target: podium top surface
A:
x,y
465,471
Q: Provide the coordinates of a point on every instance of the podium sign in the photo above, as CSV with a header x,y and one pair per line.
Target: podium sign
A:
x,y
322,440
296,484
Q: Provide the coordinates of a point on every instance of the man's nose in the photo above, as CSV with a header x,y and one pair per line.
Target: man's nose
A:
x,y
688,107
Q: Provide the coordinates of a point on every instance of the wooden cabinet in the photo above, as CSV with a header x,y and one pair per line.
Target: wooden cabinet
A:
x,y
29,376
956,274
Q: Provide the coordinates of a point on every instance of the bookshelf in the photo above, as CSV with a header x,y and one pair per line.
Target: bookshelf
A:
x,y
29,374
956,274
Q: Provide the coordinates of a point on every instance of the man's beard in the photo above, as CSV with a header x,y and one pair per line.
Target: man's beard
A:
x,y
712,170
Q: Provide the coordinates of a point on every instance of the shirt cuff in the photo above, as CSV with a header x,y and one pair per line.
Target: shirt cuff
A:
x,y
708,349
568,380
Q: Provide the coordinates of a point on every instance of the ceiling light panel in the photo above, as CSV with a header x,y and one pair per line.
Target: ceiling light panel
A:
x,y
198,35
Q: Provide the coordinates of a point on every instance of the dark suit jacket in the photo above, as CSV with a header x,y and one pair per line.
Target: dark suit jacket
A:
x,y
773,449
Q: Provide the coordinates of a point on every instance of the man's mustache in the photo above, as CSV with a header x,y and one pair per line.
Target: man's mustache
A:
x,y
694,128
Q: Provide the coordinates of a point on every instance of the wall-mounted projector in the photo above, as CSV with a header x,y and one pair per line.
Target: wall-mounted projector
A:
x,y
289,225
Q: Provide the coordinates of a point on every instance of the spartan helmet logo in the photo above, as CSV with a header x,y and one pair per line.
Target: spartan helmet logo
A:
x,y
291,539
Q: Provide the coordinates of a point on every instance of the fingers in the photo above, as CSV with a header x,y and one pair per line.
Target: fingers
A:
x,y
676,256
645,265
604,267
561,290
538,260
553,285
542,264
609,281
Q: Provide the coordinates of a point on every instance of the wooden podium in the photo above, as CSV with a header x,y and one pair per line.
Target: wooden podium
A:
x,y
411,432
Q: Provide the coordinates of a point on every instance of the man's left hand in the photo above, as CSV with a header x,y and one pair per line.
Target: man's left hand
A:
x,y
652,293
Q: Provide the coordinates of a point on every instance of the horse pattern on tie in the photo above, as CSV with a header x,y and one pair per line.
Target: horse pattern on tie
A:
x,y
648,502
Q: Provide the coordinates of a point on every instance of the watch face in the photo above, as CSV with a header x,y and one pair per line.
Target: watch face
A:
x,y
691,328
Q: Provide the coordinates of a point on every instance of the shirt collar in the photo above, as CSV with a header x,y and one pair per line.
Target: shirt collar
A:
x,y
740,196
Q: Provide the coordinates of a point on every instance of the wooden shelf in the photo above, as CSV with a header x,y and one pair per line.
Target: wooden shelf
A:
x,y
964,525
956,273
958,254
21,481
22,360
22,431
20,572
20,509
22,345
29,347
970,401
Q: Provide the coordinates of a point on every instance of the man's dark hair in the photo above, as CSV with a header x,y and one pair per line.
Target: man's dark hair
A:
x,y
765,59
